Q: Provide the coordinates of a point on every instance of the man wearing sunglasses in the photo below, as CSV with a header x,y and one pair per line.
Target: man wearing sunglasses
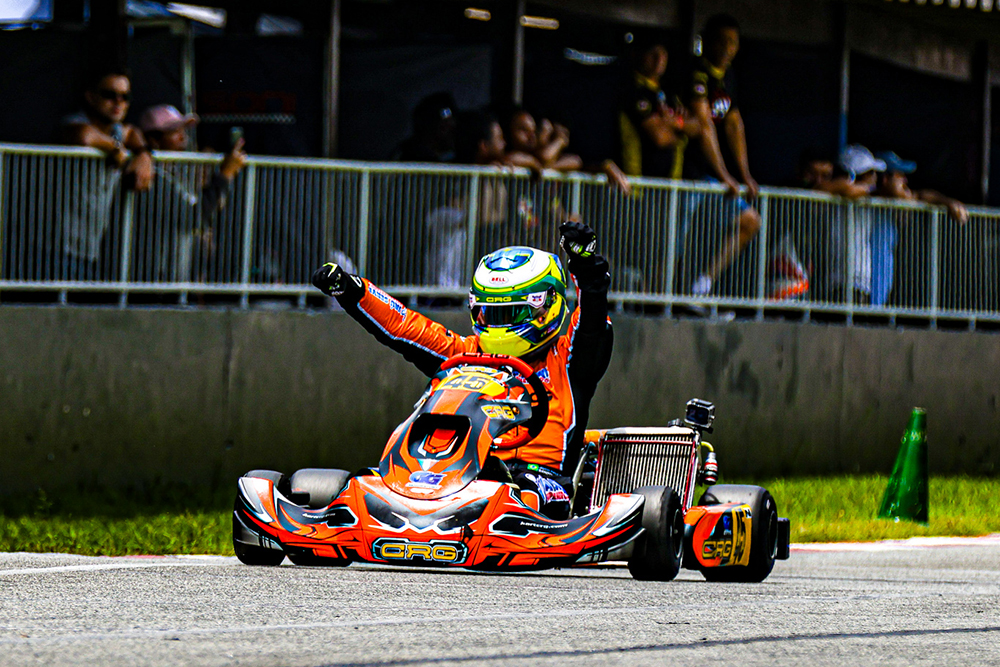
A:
x,y
518,308
86,215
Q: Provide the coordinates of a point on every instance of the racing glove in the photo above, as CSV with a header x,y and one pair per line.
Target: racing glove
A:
x,y
587,265
578,239
332,280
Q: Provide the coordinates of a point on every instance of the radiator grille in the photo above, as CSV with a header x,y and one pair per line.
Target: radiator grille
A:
x,y
630,459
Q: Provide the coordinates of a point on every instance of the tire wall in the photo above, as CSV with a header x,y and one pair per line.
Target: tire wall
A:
x,y
117,397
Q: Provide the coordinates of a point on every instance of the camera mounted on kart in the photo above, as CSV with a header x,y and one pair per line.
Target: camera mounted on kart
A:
x,y
700,414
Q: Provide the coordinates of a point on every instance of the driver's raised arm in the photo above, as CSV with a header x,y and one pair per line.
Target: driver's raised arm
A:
x,y
422,341
590,330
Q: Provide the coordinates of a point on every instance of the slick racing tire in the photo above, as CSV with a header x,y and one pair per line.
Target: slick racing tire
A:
x,y
658,553
763,532
255,555
322,485
317,561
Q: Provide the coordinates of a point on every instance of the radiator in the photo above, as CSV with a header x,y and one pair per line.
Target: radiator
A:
x,y
632,457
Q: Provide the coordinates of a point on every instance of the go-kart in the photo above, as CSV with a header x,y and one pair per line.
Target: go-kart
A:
x,y
441,497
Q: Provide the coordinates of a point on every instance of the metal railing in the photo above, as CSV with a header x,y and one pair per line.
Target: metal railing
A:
x,y
69,224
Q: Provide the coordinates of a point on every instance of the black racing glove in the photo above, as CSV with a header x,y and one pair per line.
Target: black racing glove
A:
x,y
332,280
578,239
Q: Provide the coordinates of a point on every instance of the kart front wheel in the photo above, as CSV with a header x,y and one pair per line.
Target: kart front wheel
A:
x,y
763,532
250,554
658,553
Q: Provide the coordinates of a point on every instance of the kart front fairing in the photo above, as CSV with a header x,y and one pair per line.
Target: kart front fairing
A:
x,y
483,526
426,505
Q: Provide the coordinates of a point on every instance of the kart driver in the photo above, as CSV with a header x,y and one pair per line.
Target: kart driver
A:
x,y
518,304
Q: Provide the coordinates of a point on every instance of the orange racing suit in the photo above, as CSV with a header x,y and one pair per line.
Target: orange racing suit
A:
x,y
570,367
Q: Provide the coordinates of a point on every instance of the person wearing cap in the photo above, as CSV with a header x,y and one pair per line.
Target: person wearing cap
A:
x,y
892,183
856,178
189,238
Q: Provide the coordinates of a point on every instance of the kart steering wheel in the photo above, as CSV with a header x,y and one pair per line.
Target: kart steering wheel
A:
x,y
538,397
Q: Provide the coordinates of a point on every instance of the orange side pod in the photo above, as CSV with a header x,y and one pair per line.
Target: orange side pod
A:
x,y
721,534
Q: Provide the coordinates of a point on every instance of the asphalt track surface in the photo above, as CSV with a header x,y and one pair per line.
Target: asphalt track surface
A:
x,y
911,603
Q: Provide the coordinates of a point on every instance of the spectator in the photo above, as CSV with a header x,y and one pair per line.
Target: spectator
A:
x,y
192,212
433,138
86,214
537,149
543,146
653,135
860,174
712,100
478,140
892,184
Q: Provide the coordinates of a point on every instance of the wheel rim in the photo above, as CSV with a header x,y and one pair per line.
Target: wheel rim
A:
x,y
772,535
677,533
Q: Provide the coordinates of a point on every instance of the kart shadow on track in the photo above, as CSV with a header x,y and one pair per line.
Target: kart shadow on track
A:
x,y
441,497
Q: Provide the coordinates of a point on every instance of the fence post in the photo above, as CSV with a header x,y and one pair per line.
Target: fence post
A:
x,y
472,224
575,194
762,257
935,268
128,222
364,221
3,211
672,241
849,263
249,205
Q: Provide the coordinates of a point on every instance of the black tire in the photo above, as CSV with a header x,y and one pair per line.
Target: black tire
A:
x,y
763,532
658,553
317,561
322,485
251,554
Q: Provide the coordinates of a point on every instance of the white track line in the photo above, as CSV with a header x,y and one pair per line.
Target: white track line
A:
x,y
902,545
123,564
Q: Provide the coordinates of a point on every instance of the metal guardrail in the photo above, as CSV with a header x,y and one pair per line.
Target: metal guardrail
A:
x,y
68,224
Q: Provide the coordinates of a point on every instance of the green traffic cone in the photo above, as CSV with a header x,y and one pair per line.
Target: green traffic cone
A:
x,y
906,494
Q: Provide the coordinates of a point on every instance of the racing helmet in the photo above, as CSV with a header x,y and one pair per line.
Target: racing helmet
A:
x,y
517,300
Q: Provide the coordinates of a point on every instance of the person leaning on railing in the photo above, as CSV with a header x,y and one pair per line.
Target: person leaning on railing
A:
x,y
893,184
85,216
166,128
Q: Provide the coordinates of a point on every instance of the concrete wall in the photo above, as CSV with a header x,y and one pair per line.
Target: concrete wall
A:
x,y
118,397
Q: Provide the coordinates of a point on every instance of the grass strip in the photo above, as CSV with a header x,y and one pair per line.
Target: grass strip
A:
x,y
843,508
182,521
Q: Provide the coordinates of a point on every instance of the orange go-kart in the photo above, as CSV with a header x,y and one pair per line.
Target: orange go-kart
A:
x,y
441,497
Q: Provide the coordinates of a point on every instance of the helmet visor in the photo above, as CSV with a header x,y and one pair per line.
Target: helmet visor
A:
x,y
491,315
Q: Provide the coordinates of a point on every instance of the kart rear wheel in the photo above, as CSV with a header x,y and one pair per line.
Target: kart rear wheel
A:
x,y
250,554
763,532
658,553
322,485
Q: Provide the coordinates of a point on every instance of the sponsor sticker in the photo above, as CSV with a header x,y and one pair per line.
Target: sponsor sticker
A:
x,y
508,259
508,412
537,299
425,479
550,490
398,549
